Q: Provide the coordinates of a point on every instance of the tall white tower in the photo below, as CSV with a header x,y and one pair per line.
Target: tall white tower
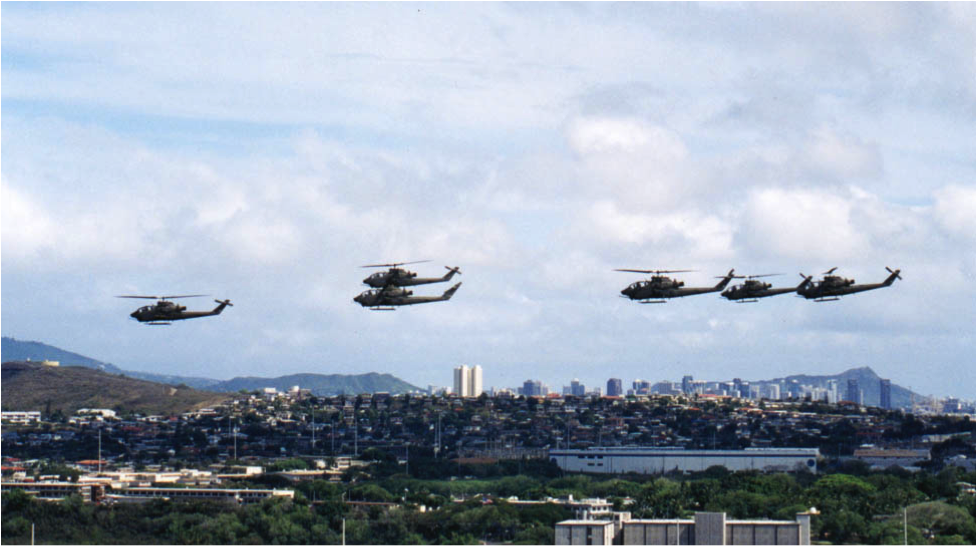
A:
x,y
475,381
462,383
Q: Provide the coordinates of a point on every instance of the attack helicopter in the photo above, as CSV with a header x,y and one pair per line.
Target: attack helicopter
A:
x,y
163,312
387,298
833,287
752,289
399,277
658,288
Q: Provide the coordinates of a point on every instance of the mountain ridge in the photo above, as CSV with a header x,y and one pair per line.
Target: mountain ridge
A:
x,y
33,386
320,384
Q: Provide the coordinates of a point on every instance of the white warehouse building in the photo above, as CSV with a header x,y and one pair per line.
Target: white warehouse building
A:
x,y
663,460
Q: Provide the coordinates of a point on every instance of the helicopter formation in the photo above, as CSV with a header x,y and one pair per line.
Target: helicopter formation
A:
x,y
659,288
387,291
388,287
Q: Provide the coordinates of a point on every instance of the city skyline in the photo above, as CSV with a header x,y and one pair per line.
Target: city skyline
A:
x,y
263,153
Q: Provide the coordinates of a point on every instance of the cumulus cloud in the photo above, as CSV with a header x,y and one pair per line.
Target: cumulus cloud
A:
x,y
955,209
536,147
801,224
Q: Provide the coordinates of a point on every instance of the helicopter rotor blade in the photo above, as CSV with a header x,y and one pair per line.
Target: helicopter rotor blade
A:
x,y
160,297
829,272
393,265
760,275
653,271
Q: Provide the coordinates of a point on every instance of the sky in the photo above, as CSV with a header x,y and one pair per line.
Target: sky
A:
x,y
265,152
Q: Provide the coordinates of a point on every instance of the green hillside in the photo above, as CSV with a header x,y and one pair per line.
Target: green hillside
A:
x,y
322,384
32,386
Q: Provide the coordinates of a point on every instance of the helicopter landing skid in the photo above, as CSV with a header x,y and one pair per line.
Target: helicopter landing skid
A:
x,y
654,302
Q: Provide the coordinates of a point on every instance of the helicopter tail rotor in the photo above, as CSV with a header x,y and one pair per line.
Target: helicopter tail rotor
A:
x,y
893,275
221,305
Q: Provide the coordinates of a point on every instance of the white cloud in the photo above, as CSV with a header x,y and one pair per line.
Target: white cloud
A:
x,y
26,227
804,225
704,237
842,156
955,210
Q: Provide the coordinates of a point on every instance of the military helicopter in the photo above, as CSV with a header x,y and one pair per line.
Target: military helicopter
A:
x,y
399,277
387,298
163,311
833,287
659,287
751,289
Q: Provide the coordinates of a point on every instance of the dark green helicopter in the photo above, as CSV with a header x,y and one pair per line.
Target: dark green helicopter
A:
x,y
399,277
658,288
833,287
163,312
387,298
751,290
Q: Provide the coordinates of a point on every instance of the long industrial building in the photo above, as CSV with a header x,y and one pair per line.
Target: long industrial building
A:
x,y
704,529
665,460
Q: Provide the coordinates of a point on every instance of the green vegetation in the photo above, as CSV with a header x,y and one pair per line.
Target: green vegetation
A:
x,y
865,508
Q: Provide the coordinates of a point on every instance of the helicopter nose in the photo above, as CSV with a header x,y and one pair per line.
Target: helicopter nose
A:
x,y
134,315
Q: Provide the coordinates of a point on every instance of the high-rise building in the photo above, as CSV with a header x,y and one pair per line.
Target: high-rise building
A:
x,y
468,381
641,387
532,388
687,384
461,381
576,388
853,394
475,381
885,393
614,387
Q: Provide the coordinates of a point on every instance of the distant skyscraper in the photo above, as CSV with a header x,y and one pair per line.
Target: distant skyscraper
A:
x,y
614,387
853,394
687,384
576,388
885,393
641,387
475,381
532,388
461,381
468,381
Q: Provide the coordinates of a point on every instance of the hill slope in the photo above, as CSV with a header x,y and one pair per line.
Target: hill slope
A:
x,y
19,350
31,386
321,384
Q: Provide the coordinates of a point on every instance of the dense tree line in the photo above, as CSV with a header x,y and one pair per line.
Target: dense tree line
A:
x,y
856,506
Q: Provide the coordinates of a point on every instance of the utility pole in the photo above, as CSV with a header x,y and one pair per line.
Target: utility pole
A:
x,y
313,430
100,450
905,526
235,441
344,530
356,436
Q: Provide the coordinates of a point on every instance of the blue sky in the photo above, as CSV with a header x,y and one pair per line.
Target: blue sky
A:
x,y
263,152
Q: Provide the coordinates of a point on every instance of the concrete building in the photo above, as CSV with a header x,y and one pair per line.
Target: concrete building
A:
x,y
887,457
468,381
687,385
853,394
703,529
664,460
533,388
20,416
885,394
614,387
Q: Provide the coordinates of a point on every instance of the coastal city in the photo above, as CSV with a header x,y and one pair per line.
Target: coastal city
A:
x,y
459,447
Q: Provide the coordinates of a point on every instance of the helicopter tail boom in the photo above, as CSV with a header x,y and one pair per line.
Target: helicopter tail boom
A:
x,y
893,275
725,281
